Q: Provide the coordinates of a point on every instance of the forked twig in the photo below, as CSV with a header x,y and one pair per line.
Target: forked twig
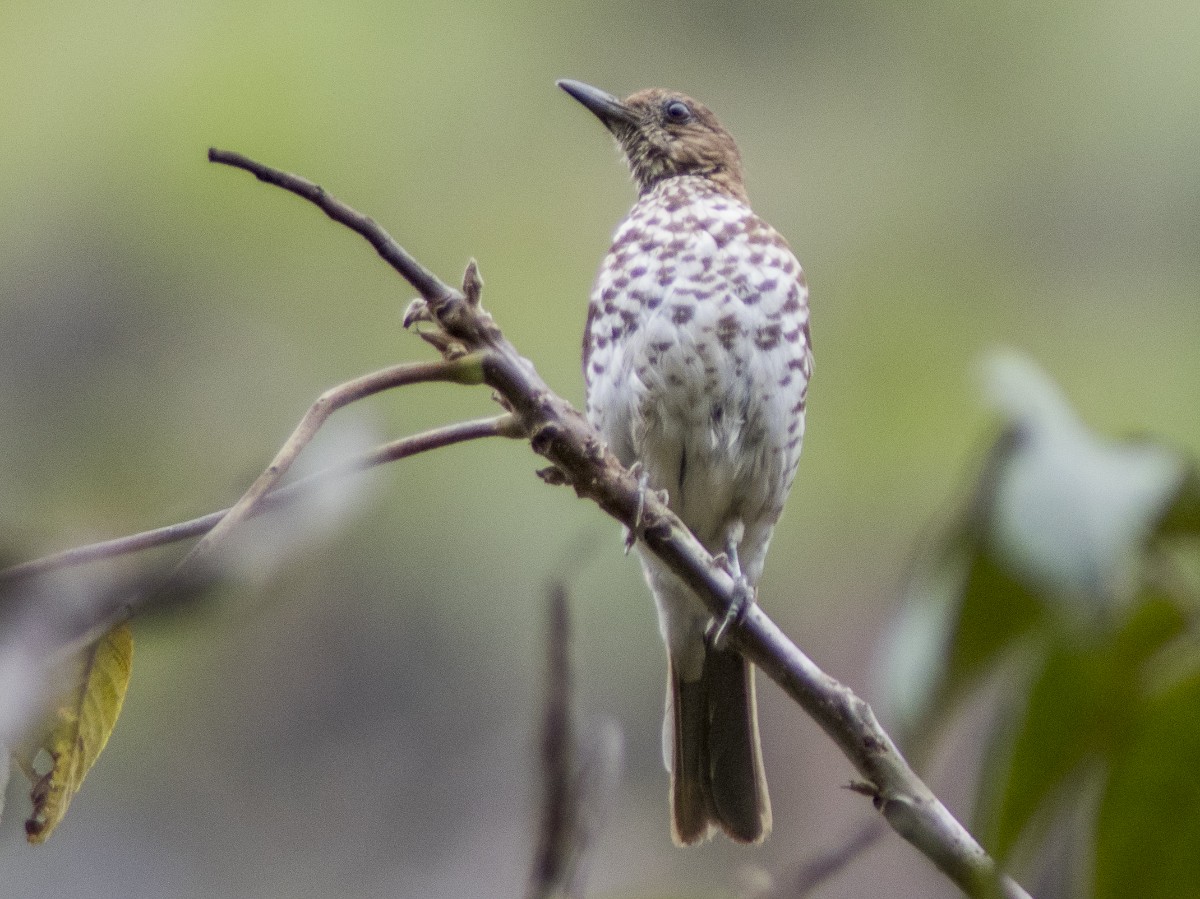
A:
x,y
461,370
497,426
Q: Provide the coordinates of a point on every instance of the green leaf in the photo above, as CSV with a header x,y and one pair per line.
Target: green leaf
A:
x,y
1082,704
1148,829
81,728
963,612
1054,537
996,611
1182,517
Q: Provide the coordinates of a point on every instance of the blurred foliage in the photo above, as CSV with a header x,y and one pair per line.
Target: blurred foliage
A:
x,y
1075,565
952,177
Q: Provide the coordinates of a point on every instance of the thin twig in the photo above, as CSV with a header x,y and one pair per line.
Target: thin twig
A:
x,y
427,284
497,426
463,370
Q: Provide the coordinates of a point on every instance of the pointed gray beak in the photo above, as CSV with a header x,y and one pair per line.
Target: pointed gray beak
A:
x,y
607,108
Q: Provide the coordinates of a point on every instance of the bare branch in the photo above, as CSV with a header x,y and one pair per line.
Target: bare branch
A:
x,y
498,426
561,434
475,351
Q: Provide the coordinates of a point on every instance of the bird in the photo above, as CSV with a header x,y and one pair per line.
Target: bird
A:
x,y
697,358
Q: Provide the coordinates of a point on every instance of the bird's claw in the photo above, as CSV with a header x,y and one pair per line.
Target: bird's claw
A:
x,y
743,594
633,534
630,539
743,599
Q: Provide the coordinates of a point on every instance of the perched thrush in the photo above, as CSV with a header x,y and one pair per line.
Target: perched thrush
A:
x,y
697,360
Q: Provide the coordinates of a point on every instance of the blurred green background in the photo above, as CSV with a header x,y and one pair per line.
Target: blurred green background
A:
x,y
362,720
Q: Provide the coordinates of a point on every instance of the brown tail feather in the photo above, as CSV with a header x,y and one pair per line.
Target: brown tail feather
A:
x,y
717,777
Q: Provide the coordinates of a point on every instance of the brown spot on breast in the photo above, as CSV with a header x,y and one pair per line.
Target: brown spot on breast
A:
x,y
728,330
767,337
681,313
726,233
628,236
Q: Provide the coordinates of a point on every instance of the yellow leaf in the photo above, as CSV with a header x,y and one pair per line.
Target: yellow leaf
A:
x,y
81,728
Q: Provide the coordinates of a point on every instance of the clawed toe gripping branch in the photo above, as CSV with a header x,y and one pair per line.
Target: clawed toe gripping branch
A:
x,y
475,352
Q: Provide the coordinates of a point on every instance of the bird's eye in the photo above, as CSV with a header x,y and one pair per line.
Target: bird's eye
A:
x,y
677,111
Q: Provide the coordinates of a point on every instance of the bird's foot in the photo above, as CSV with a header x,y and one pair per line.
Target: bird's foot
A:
x,y
743,597
632,534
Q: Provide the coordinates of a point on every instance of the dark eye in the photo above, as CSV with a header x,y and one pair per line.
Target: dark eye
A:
x,y
677,111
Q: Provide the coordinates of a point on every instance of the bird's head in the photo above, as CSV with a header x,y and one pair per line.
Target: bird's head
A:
x,y
664,134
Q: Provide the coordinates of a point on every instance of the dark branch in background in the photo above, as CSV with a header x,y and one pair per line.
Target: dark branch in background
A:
x,y
552,860
807,877
579,771
475,352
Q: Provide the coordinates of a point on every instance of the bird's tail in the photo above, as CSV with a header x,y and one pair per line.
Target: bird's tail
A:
x,y
717,778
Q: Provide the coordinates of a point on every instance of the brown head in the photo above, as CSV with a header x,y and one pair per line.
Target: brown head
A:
x,y
664,134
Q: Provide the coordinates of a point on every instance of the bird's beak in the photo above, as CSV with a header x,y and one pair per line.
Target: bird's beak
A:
x,y
607,108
